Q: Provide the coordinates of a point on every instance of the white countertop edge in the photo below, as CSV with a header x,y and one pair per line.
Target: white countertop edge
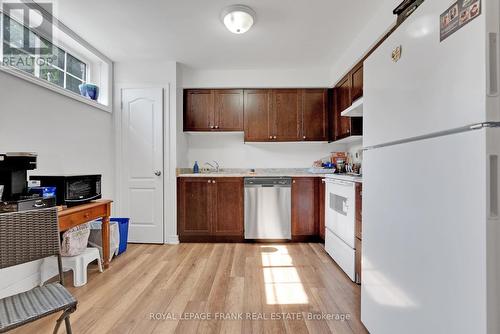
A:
x,y
334,176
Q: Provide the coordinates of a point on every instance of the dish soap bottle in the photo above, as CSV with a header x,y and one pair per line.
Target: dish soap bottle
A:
x,y
196,168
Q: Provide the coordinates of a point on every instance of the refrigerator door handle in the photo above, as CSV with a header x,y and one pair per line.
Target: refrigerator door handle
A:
x,y
494,186
492,64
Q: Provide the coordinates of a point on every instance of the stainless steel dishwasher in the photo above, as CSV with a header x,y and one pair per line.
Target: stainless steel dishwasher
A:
x,y
268,208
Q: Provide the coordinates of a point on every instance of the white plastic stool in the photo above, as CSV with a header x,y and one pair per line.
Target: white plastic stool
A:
x,y
77,263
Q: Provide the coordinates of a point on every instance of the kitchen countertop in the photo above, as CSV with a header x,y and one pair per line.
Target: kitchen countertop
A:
x,y
289,172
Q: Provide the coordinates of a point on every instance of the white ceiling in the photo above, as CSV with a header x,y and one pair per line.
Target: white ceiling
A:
x,y
287,33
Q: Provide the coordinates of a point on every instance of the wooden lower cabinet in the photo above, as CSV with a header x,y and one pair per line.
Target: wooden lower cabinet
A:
x,y
305,208
321,209
194,210
228,207
357,262
359,231
210,209
359,211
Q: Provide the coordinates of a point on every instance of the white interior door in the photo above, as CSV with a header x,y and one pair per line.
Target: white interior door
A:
x,y
142,163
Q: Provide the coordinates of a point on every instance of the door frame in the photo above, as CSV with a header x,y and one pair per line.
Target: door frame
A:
x,y
119,186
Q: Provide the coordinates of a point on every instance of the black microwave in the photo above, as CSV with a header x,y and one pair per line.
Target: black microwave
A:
x,y
72,189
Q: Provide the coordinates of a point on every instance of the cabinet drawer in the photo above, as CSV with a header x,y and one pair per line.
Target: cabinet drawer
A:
x,y
74,219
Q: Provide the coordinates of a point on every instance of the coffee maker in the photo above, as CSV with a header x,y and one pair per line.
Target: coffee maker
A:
x,y
14,179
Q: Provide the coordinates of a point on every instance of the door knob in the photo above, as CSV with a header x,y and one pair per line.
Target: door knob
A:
x,y
157,173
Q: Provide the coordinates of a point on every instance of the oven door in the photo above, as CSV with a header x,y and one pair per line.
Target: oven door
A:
x,y
340,210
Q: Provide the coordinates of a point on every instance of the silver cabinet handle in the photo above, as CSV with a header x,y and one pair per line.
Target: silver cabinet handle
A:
x,y
157,173
209,181
216,126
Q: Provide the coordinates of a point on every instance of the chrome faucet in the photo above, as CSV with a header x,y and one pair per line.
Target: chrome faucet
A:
x,y
216,167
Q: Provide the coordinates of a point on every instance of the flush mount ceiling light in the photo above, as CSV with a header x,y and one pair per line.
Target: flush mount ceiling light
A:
x,y
238,19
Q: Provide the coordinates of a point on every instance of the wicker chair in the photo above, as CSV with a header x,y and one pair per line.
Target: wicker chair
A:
x,y
25,237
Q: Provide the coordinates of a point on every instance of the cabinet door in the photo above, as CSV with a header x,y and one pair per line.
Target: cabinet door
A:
x,y
343,99
357,260
314,117
359,210
286,114
257,115
199,110
357,82
228,207
228,109
321,209
304,207
194,206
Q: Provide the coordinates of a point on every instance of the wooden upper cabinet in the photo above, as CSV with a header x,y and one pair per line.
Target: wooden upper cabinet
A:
x,y
343,101
305,207
194,206
257,108
348,90
344,93
198,110
357,82
213,110
228,110
264,114
228,207
286,114
314,115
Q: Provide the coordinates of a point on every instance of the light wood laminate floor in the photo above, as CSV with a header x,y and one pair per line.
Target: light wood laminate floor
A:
x,y
223,288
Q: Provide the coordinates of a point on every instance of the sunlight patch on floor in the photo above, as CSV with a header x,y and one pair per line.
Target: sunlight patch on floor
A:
x,y
282,282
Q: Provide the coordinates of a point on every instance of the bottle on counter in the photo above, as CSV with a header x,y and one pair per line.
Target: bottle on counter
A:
x,y
196,168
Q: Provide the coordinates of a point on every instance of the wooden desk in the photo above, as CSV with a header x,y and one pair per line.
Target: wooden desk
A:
x,y
80,214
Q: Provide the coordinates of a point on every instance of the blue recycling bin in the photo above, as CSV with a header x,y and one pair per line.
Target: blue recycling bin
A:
x,y
123,229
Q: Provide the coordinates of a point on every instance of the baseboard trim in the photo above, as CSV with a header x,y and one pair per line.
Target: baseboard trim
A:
x,y
172,240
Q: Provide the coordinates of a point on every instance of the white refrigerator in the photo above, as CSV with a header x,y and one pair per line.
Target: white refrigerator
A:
x,y
431,228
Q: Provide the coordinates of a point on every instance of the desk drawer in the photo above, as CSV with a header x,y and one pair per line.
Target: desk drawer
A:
x,y
74,219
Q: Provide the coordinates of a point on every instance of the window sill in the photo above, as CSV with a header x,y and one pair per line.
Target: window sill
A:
x,y
54,88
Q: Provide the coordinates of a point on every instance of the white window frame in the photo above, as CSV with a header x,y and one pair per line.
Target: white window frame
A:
x,y
54,87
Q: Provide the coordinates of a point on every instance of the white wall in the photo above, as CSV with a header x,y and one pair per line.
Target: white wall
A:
x,y
163,74
258,78
69,137
375,29
231,152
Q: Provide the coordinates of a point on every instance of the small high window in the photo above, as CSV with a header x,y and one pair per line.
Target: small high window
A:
x,y
39,57
53,56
